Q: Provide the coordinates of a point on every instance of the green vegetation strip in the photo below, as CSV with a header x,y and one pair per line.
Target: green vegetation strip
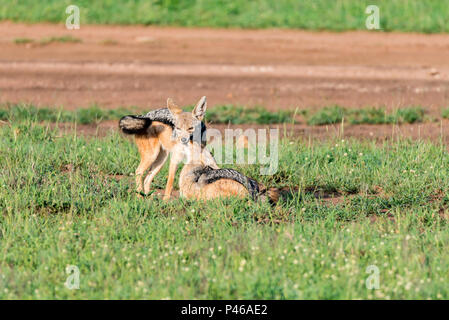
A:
x,y
337,114
240,115
68,200
218,114
395,15
445,113
93,114
48,40
227,114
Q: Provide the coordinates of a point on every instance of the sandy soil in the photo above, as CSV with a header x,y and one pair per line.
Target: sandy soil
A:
x,y
115,66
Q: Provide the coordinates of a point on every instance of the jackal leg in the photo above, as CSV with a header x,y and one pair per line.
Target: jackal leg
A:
x,y
174,161
154,170
149,150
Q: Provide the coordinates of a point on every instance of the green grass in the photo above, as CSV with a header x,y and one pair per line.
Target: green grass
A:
x,y
223,114
68,200
62,39
93,114
239,115
338,15
23,40
48,40
336,114
445,113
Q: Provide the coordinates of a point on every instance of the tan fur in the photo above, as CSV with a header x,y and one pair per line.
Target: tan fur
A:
x,y
193,188
220,188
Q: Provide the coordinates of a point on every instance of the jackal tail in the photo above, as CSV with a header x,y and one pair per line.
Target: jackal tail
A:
x,y
253,187
134,124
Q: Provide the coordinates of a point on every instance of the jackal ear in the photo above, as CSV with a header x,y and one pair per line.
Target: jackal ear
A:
x,y
172,107
200,110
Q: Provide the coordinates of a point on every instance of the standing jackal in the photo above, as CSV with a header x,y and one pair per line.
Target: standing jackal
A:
x,y
157,134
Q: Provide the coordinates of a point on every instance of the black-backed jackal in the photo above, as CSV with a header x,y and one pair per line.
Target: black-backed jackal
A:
x,y
159,133
201,178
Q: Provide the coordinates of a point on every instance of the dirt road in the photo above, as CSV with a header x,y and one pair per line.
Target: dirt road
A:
x,y
136,65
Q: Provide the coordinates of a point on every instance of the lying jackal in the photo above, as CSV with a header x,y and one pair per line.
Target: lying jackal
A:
x,y
201,178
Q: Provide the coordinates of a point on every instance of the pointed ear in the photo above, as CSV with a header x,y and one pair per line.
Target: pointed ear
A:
x,y
172,107
200,110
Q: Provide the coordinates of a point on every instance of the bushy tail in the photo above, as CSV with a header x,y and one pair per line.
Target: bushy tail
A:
x,y
134,124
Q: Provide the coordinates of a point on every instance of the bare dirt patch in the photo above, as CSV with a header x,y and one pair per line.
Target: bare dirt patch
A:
x,y
279,69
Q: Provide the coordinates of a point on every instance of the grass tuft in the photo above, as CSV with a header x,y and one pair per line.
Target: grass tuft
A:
x,y
445,113
23,40
240,115
62,39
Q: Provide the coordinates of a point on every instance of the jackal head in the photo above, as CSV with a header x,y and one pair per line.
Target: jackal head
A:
x,y
198,155
188,125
